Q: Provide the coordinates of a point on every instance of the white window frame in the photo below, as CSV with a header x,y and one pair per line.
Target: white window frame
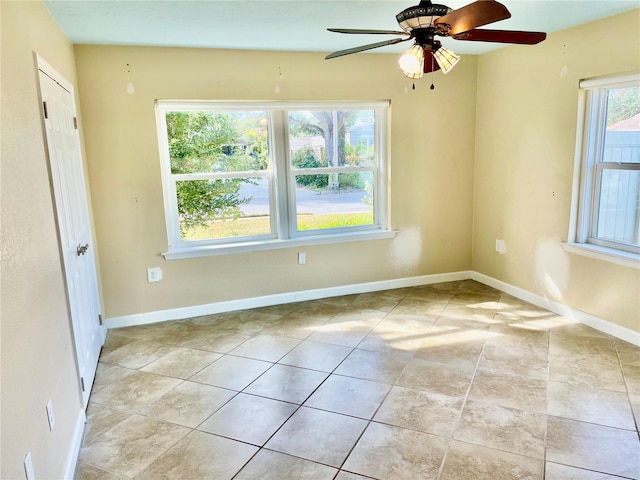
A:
x,y
281,178
588,168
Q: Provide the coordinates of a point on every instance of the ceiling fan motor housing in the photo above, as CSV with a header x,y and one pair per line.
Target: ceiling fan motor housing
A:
x,y
421,16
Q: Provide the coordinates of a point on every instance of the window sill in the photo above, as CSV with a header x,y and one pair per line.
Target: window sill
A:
x,y
210,250
618,257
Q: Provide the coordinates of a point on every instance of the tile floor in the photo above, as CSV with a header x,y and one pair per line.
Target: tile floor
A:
x,y
453,381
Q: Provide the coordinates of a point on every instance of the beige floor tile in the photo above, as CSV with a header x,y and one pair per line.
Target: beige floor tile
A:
x,y
249,419
188,404
178,332
106,374
507,429
451,331
397,334
317,435
268,465
200,456
530,375
296,325
482,312
232,372
477,287
136,390
632,378
376,301
136,354
289,384
316,356
554,471
576,329
374,366
270,348
634,400
580,402
471,462
418,410
628,354
479,299
438,347
350,476
117,337
593,447
100,419
435,377
390,453
522,393
345,332
182,363
593,372
421,307
131,445
515,360
565,346
87,472
349,396
216,341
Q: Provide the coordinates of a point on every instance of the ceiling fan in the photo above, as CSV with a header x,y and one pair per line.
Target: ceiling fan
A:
x,y
425,21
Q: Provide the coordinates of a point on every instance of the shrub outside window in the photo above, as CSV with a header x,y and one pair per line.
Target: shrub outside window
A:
x,y
267,173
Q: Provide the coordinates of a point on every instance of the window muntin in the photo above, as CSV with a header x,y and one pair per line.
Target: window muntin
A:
x,y
610,181
236,173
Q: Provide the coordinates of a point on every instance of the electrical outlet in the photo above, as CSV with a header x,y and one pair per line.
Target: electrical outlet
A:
x,y
28,467
302,258
154,274
52,419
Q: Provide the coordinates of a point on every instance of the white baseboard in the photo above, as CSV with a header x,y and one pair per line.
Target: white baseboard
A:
x,y
291,297
279,299
592,321
74,449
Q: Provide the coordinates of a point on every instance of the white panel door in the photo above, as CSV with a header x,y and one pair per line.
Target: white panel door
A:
x,y
74,228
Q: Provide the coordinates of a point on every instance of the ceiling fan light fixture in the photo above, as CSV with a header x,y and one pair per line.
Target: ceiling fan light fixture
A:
x,y
412,61
447,59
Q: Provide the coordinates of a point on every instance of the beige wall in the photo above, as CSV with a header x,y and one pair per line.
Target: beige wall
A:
x,y
431,170
525,142
38,360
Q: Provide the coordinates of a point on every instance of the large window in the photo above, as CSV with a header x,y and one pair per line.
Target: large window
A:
x,y
261,175
608,213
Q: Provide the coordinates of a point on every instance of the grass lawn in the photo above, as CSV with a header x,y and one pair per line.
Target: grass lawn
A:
x,y
260,225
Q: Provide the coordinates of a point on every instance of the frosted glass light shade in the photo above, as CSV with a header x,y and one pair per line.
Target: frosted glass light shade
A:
x,y
412,62
446,59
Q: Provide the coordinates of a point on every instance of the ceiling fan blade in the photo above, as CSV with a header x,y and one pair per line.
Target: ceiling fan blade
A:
x,y
362,48
370,32
474,15
502,36
430,63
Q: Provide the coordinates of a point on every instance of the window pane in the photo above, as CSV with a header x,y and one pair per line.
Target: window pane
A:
x,y
217,141
223,208
622,137
320,204
331,138
618,207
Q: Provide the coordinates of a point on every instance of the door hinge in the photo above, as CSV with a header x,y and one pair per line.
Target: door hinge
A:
x,y
75,122
82,383
46,113
100,319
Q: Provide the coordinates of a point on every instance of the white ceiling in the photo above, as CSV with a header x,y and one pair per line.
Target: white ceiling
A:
x,y
290,24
